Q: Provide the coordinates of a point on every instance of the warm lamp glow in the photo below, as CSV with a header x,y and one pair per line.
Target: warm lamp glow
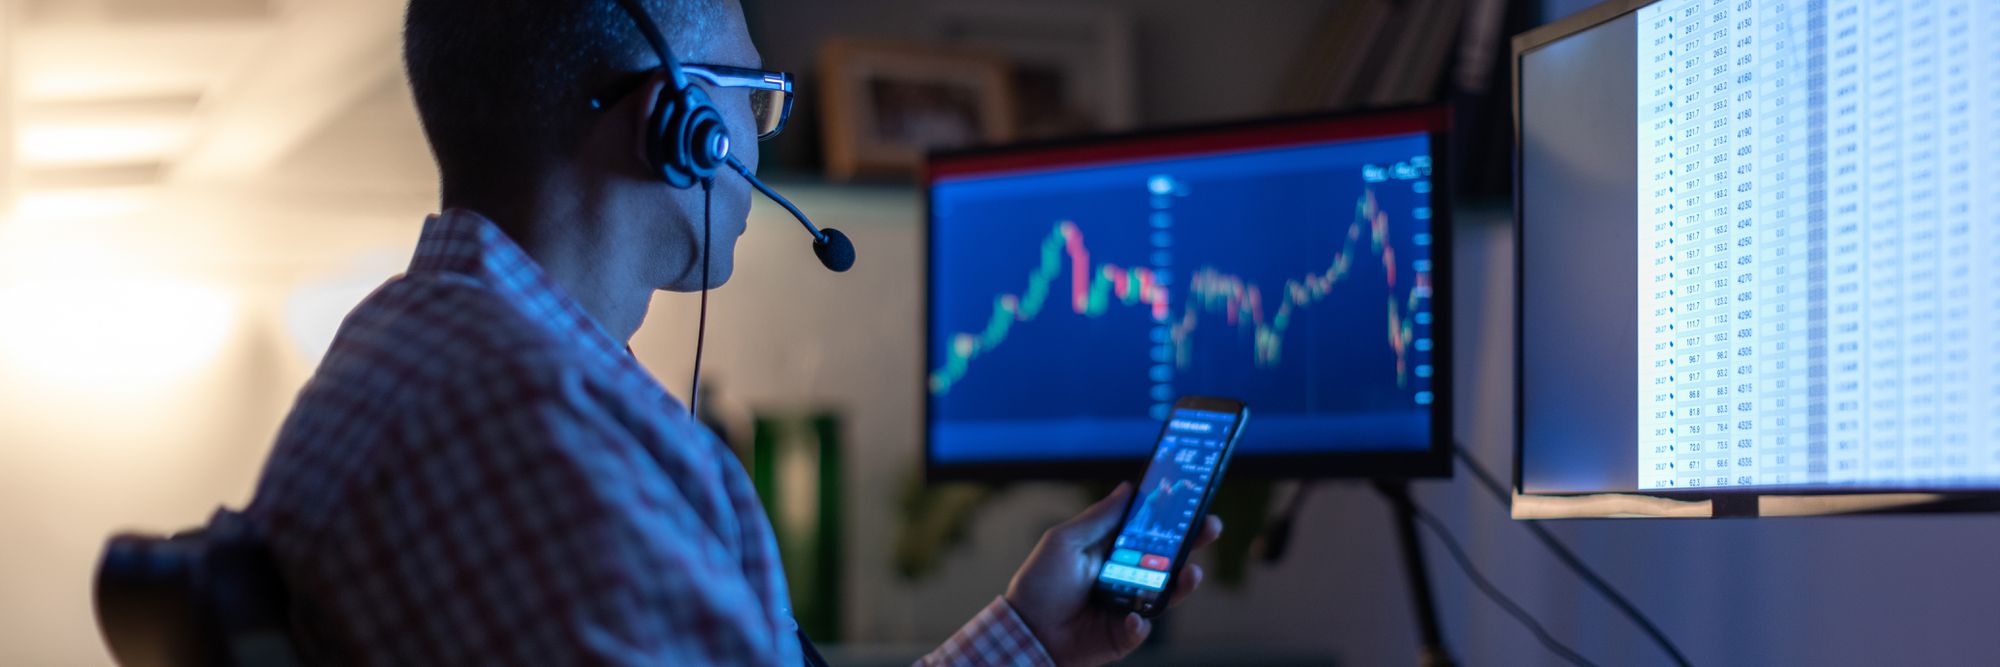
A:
x,y
63,206
103,337
78,317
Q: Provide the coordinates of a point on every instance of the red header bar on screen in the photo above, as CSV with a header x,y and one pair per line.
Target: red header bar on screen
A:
x,y
1181,143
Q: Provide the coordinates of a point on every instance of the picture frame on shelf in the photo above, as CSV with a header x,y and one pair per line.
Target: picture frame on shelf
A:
x,y
886,104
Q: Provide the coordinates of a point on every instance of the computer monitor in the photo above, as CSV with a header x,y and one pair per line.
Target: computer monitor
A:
x,y
1759,256
1074,290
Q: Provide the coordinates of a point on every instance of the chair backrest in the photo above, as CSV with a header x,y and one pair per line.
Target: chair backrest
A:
x,y
209,596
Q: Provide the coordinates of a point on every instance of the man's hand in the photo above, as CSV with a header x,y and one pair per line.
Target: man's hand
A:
x,y
1051,591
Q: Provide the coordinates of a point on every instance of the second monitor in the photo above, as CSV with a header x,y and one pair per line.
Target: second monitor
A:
x,y
1075,290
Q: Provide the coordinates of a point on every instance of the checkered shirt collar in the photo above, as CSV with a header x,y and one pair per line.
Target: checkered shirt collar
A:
x,y
462,241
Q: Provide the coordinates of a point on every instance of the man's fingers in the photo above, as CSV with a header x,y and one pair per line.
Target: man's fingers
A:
x,y
1185,584
1130,633
1096,521
1211,529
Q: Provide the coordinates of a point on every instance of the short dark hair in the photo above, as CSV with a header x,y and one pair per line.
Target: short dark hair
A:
x,y
502,85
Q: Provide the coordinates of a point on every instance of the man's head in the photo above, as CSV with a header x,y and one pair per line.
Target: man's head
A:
x,y
504,88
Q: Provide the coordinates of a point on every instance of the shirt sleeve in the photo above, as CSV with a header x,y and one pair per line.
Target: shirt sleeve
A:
x,y
533,526
997,637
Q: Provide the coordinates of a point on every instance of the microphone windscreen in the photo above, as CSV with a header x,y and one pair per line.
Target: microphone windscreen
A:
x,y
836,252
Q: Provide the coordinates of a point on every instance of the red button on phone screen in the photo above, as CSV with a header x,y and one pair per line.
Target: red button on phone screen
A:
x,y
1152,562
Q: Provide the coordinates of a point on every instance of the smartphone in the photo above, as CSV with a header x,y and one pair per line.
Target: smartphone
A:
x,y
1169,504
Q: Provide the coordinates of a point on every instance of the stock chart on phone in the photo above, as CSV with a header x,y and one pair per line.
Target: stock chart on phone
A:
x,y
1169,498
1070,304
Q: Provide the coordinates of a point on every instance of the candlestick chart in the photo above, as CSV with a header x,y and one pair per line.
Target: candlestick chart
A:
x,y
1092,287
1068,310
1211,292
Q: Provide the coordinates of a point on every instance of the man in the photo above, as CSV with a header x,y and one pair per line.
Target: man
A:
x,y
480,473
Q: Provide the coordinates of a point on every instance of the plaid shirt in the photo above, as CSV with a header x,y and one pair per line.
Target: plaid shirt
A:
x,y
479,474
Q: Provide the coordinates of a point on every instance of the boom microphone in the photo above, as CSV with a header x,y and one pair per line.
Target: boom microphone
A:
x,y
832,247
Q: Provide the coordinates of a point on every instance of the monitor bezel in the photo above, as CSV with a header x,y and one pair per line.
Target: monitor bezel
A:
x,y
1748,502
1433,120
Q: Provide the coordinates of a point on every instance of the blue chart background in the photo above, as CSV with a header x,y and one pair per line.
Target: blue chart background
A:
x,y
1064,386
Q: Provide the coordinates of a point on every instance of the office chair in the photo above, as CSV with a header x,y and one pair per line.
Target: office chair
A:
x,y
206,596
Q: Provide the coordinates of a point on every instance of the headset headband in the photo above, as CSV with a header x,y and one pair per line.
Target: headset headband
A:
x,y
656,39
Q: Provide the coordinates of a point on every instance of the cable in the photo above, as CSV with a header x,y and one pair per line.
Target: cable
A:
x,y
1493,592
701,327
1570,559
1277,536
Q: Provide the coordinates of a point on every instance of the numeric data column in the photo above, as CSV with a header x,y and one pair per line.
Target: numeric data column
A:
x,y
1883,95
1661,115
1921,239
1986,223
1782,274
1847,240
1957,147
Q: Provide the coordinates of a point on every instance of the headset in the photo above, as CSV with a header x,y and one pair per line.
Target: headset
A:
x,y
687,144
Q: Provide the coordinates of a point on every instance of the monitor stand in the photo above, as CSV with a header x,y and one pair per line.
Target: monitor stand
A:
x,y
1431,650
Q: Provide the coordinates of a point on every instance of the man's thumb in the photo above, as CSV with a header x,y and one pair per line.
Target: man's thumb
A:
x,y
1097,520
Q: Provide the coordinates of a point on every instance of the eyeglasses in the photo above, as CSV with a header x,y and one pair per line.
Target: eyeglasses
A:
x,y
770,92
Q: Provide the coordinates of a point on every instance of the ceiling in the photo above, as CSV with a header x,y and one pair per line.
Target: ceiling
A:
x,y
123,93
244,141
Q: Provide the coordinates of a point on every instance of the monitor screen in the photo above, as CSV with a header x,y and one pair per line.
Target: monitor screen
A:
x,y
1759,248
1075,291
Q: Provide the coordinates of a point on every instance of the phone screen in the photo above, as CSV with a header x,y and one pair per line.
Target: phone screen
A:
x,y
1167,505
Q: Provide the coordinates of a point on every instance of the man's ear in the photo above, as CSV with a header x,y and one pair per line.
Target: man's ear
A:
x,y
642,106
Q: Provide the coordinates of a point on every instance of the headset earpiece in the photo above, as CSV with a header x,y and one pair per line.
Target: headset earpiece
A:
x,y
689,141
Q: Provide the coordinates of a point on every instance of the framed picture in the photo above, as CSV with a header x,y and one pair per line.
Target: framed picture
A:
x,y
886,104
1072,63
